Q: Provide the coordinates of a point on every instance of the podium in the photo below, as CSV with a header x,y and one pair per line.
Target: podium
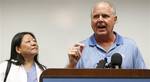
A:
x,y
95,75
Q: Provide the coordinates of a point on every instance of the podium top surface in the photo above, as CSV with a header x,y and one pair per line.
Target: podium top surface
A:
x,y
100,73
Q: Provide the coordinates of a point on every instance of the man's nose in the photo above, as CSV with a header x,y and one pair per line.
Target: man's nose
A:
x,y
100,18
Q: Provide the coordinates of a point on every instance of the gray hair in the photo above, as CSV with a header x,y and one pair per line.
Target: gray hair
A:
x,y
106,2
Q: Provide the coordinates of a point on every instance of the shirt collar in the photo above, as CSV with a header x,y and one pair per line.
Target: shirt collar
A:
x,y
118,41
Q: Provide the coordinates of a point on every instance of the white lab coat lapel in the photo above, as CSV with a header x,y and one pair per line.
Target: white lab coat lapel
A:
x,y
38,71
23,74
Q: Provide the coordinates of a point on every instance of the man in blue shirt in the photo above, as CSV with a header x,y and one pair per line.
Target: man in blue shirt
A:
x,y
104,43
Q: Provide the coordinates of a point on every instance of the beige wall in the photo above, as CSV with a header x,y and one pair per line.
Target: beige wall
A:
x,y
58,24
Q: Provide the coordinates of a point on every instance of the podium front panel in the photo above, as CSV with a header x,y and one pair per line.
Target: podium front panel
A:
x,y
95,75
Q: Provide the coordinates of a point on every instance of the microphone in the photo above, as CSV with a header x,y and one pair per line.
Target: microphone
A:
x,y
116,61
101,63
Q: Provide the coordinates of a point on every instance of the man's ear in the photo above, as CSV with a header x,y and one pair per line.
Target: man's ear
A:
x,y
18,50
115,18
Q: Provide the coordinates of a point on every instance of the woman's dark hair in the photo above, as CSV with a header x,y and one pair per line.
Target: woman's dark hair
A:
x,y
15,57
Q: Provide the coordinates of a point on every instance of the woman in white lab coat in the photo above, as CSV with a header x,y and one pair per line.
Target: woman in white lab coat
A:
x,y
25,66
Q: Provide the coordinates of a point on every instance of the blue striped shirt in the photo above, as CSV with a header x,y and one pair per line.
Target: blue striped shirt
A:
x,y
93,53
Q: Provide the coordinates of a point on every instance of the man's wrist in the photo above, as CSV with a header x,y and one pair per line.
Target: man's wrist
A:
x,y
71,65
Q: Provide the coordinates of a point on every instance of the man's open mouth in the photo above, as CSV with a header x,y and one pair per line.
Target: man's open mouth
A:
x,y
101,25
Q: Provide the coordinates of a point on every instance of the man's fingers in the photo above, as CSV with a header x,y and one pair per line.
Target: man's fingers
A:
x,y
75,52
80,46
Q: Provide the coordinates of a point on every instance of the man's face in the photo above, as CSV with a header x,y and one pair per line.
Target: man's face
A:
x,y
103,19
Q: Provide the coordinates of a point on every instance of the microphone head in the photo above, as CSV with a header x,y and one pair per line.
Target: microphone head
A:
x,y
116,60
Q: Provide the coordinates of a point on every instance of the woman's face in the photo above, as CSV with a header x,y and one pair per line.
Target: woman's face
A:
x,y
28,47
